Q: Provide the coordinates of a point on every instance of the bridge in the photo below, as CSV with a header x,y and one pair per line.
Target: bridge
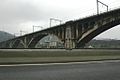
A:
x,y
73,34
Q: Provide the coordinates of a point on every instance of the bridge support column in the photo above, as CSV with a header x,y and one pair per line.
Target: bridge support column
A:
x,y
69,42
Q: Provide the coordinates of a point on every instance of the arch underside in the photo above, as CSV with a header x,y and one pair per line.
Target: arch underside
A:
x,y
15,44
35,40
32,42
49,41
96,32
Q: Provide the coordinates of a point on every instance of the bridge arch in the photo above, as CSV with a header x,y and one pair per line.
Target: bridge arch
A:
x,y
35,40
50,41
15,43
86,37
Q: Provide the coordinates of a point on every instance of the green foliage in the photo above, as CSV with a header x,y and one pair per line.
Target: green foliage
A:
x,y
60,53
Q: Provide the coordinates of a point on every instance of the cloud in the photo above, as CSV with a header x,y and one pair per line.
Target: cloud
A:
x,y
17,14
16,11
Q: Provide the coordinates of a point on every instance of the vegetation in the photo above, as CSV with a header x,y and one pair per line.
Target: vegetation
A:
x,y
58,53
43,56
106,43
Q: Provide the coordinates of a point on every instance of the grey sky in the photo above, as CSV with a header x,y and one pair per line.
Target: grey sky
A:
x,y
19,15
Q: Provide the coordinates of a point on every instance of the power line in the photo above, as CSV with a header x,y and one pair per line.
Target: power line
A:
x,y
51,19
36,26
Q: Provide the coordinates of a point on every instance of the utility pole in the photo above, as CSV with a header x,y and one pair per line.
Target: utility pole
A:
x,y
33,28
97,7
16,34
51,19
102,4
22,32
36,26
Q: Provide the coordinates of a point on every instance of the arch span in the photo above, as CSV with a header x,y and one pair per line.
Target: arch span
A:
x,y
50,41
35,40
85,39
15,43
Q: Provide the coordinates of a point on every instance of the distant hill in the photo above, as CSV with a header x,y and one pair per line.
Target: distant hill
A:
x,y
104,43
5,36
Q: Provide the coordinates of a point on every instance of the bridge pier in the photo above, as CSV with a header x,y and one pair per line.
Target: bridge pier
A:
x,y
69,42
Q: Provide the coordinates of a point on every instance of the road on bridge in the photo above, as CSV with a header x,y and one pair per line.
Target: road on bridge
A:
x,y
71,71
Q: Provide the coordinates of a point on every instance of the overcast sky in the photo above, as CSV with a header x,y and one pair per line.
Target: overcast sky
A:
x,y
16,15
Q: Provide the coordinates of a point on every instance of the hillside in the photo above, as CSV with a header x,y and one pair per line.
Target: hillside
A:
x,y
106,43
5,36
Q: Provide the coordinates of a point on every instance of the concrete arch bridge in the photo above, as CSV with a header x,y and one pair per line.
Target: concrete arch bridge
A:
x,y
73,34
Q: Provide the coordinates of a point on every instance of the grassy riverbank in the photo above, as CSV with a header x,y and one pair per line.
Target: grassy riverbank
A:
x,y
60,55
